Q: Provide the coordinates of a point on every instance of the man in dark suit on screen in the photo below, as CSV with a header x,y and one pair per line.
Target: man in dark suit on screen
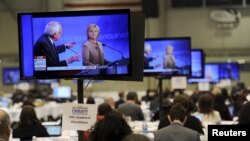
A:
x,y
147,59
44,46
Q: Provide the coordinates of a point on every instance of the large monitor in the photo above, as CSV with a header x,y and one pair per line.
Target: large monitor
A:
x,y
10,75
211,74
167,57
230,71
79,44
198,59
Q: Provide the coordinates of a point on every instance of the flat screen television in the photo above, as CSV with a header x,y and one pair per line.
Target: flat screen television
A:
x,y
198,59
46,52
212,74
10,76
167,56
230,71
61,92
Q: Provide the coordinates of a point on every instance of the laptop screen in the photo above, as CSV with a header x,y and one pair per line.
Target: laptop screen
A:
x,y
231,110
53,130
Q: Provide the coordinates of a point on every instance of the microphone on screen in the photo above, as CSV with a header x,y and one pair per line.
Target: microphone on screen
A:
x,y
105,45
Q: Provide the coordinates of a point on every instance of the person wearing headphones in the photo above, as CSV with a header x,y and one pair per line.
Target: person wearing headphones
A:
x,y
93,53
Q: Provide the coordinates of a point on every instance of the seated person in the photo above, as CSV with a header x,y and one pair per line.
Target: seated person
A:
x,y
102,110
90,100
131,108
29,125
176,130
244,114
121,99
112,128
5,129
206,113
191,121
136,137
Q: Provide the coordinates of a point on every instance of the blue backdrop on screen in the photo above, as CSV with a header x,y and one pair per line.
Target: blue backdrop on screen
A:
x,y
27,44
11,76
197,63
211,74
114,32
181,51
229,71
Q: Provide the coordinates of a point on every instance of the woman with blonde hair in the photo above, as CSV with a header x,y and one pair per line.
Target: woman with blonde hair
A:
x,y
169,58
93,53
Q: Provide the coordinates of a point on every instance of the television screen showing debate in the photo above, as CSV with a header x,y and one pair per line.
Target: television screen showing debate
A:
x,y
197,63
10,75
167,57
229,71
211,74
75,44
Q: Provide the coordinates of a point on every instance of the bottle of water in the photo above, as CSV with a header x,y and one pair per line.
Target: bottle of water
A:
x,y
145,127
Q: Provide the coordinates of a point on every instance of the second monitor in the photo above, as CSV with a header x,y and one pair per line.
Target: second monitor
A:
x,y
167,57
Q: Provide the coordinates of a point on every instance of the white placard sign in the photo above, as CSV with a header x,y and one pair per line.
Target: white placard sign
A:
x,y
179,82
203,86
78,116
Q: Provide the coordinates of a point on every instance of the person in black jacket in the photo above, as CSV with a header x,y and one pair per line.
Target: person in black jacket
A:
x,y
112,128
121,99
221,107
176,131
192,122
45,47
244,114
147,59
29,125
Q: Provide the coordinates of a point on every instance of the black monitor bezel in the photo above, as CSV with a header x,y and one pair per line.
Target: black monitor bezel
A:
x,y
76,13
213,82
238,65
157,74
202,63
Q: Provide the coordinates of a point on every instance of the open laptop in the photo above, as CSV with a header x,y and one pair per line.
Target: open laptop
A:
x,y
5,102
53,130
231,110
